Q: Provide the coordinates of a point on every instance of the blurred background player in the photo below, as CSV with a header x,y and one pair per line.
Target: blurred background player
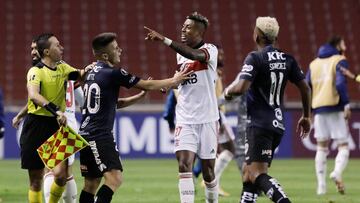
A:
x,y
2,119
169,110
264,75
102,84
226,135
196,112
330,104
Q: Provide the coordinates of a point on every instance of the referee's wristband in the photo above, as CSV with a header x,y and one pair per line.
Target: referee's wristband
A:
x,y
167,41
52,108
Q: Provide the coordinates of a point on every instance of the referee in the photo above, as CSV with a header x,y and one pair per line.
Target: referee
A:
x,y
46,103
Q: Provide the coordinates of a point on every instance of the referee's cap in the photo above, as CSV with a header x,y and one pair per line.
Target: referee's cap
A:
x,y
269,26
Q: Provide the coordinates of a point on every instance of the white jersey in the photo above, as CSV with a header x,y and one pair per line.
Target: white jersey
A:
x,y
72,94
197,103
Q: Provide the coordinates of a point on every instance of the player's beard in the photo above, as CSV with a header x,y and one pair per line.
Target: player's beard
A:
x,y
35,61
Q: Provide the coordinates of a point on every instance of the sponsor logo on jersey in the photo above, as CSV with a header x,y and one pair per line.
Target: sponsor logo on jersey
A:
x,y
85,122
193,79
266,152
275,55
277,124
132,79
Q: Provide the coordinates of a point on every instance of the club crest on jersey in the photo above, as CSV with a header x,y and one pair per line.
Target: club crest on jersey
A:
x,y
124,72
96,69
247,68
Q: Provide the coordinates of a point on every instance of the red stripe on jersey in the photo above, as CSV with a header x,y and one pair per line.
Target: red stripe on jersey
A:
x,y
196,66
77,84
207,55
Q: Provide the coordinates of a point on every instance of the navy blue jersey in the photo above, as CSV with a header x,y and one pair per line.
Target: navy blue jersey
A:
x,y
101,91
268,70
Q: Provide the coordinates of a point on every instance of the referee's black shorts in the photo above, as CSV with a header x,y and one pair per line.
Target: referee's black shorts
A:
x,y
260,145
36,129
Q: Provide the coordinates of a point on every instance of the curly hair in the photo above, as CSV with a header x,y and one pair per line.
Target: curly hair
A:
x,y
195,16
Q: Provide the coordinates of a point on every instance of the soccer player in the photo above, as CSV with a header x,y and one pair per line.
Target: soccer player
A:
x,y
226,135
264,75
197,113
101,158
46,104
73,93
330,104
169,110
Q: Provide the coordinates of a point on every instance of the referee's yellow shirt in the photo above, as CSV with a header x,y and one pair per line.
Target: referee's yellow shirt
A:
x,y
52,86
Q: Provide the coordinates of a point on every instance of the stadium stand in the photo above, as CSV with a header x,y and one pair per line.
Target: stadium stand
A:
x,y
305,25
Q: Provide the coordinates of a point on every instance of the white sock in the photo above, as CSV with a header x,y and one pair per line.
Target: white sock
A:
x,y
186,187
48,180
320,165
222,162
70,193
211,191
341,161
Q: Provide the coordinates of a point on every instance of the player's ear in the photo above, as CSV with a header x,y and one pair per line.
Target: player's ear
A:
x,y
46,52
105,56
257,39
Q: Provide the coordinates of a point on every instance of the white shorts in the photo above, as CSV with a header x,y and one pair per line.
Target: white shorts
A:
x,y
72,122
227,134
198,138
331,126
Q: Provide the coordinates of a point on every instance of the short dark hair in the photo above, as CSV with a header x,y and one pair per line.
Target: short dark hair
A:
x,y
35,38
334,40
42,43
197,17
102,40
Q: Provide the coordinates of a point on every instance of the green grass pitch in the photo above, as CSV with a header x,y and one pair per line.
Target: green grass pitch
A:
x,y
155,181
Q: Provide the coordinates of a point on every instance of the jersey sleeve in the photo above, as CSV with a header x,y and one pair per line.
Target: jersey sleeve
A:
x,y
211,52
34,76
249,69
296,74
124,78
71,72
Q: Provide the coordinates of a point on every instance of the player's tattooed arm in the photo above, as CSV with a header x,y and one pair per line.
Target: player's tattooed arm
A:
x,y
181,48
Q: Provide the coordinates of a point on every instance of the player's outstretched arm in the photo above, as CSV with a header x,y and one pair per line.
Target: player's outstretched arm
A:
x,y
178,78
181,48
349,74
304,122
236,88
18,118
127,101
